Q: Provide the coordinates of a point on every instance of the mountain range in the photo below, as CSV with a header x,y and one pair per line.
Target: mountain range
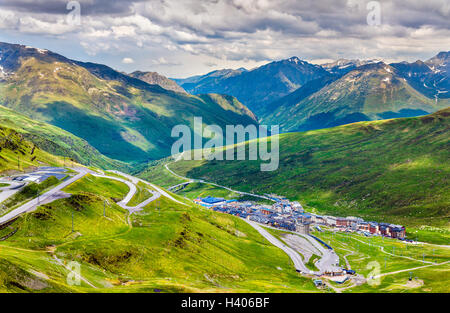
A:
x,y
258,87
56,141
369,92
55,111
299,95
430,77
119,117
123,117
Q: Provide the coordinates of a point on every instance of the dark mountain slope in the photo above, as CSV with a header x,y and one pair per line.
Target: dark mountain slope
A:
x,y
369,92
260,86
432,77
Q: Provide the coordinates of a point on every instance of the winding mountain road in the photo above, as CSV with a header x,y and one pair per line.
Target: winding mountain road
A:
x,y
136,180
329,259
192,180
56,193
131,193
295,257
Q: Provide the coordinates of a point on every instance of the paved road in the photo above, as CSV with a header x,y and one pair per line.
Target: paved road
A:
x,y
301,245
9,191
191,180
295,257
131,186
328,257
133,189
56,193
31,205
329,263
176,186
140,206
136,180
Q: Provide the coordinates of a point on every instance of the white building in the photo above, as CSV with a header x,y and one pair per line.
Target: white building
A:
x,y
330,220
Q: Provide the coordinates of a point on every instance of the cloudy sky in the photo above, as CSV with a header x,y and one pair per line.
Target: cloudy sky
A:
x,y
180,38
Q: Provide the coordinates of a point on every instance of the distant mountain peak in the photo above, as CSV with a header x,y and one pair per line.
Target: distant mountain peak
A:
x,y
257,87
155,78
443,55
123,117
439,61
343,66
295,60
38,50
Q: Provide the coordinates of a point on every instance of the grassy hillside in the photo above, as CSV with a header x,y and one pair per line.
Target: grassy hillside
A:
x,y
122,117
19,154
167,247
390,170
56,140
156,173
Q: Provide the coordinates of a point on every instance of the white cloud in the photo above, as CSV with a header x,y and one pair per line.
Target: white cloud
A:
x,y
163,61
192,33
127,61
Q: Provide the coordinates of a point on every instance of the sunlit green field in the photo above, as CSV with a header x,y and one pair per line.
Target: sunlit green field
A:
x,y
170,247
55,140
142,194
18,154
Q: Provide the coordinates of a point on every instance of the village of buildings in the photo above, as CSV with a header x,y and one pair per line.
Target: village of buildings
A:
x,y
291,216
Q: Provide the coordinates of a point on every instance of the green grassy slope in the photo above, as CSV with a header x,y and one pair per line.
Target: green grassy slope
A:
x,y
391,170
19,154
142,194
122,117
56,140
156,173
195,190
168,246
